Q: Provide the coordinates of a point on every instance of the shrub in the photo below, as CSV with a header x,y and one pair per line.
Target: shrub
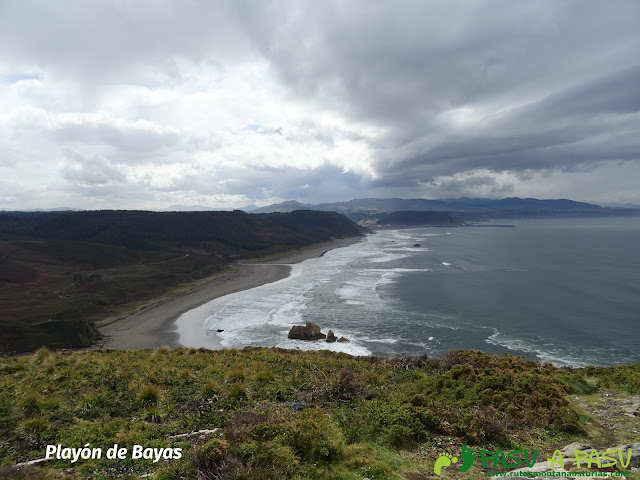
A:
x,y
149,396
237,392
95,405
26,473
210,459
396,424
272,436
30,405
624,378
574,384
42,354
35,432
236,373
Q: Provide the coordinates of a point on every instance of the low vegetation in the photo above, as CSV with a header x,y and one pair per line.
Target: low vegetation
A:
x,y
276,414
62,271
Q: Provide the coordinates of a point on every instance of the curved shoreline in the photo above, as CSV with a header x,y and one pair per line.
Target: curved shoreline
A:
x,y
155,326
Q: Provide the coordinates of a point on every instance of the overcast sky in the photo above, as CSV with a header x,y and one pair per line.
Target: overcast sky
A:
x,y
150,103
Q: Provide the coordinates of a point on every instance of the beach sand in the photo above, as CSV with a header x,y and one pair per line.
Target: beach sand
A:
x,y
154,326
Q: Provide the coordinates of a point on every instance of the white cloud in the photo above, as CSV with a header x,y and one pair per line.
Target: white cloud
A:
x,y
229,103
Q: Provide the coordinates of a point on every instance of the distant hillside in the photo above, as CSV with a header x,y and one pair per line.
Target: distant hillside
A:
x,y
621,205
60,271
286,207
519,204
193,208
423,218
376,211
378,205
143,230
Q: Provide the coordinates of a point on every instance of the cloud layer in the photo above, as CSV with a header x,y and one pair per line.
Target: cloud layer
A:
x,y
111,104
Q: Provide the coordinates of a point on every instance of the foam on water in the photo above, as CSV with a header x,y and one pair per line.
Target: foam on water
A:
x,y
397,270
407,249
556,354
400,236
389,340
425,347
348,347
388,297
389,257
263,315
364,288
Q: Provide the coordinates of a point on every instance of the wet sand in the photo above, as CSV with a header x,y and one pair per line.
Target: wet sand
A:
x,y
154,326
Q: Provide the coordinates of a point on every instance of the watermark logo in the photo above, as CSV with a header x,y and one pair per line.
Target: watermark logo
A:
x,y
443,461
468,456
524,458
609,458
512,459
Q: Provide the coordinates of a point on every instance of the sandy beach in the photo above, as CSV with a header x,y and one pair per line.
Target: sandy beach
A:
x,y
154,326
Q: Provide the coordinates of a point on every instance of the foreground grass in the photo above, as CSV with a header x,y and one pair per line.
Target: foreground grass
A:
x,y
286,414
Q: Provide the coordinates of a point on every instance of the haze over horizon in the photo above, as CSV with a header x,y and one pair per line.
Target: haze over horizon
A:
x,y
110,104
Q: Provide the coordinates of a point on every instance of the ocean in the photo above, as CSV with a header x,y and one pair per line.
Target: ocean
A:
x,y
565,291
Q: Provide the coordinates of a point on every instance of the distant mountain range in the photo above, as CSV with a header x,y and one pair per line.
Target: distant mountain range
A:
x,y
57,209
389,211
463,204
200,208
621,205
451,211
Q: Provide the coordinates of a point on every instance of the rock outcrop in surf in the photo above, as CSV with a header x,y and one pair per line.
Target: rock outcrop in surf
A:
x,y
310,331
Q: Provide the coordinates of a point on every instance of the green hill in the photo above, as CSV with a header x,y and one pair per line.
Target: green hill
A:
x,y
62,271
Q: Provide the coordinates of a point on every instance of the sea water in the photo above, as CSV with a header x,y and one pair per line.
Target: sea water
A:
x,y
565,291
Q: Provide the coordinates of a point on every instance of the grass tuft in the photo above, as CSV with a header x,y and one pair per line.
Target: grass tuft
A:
x,y
149,396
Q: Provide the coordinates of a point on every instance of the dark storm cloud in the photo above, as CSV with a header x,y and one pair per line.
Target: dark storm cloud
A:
x,y
102,41
321,100
554,83
309,185
486,184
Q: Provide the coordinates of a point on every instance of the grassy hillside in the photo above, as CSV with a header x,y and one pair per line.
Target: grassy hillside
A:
x,y
52,291
143,230
62,271
277,414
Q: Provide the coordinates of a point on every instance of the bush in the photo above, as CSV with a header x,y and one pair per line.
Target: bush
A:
x,y
237,392
624,378
30,405
210,459
149,396
35,432
272,436
26,473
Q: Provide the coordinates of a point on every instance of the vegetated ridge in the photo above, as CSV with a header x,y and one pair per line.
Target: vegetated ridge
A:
x,y
61,271
452,211
262,413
